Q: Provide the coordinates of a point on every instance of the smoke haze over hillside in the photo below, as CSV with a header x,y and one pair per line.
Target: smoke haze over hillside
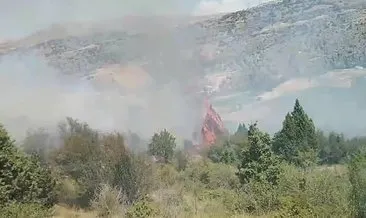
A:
x,y
36,94
20,18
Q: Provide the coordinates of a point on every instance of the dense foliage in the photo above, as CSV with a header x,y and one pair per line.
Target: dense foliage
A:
x,y
297,142
162,145
300,172
22,179
258,162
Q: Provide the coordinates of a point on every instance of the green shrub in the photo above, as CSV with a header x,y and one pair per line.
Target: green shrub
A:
x,y
166,175
16,210
212,175
260,197
357,177
142,209
22,178
162,146
68,191
258,164
319,192
134,175
232,200
225,153
181,160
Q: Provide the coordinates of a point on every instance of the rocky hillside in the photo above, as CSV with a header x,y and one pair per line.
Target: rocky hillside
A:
x,y
252,51
262,46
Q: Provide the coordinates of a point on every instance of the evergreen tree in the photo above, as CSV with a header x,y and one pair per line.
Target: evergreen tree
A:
x,y
240,135
258,162
332,149
242,130
162,145
297,141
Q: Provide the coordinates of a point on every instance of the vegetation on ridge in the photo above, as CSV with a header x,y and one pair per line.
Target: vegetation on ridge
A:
x,y
300,172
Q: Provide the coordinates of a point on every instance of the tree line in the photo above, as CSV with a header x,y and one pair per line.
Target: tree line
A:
x,y
81,166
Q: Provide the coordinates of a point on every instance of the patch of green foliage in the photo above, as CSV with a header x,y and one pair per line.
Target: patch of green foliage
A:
x,y
297,142
22,178
299,172
162,145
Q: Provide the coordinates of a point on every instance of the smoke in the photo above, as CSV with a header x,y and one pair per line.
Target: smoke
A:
x,y
36,95
207,7
20,18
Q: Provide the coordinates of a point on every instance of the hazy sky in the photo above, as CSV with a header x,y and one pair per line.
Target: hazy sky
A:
x,y
19,18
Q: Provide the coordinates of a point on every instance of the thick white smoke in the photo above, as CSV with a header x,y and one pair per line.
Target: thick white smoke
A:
x,y
36,95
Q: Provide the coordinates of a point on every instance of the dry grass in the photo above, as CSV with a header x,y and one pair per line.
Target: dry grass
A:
x,y
66,212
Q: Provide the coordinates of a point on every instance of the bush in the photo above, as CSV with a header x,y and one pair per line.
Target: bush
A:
x,y
357,176
134,175
80,158
109,202
260,197
68,191
143,208
171,202
223,154
25,211
319,192
89,158
233,201
181,159
22,179
212,175
165,175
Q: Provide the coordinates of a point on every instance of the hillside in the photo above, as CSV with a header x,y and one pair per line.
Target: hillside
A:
x,y
251,51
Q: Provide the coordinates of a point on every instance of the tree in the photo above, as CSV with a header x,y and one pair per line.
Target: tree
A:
x,y
258,162
240,135
22,179
332,149
242,129
91,159
297,141
162,145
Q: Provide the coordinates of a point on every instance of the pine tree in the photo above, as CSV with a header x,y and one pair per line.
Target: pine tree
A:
x,y
258,162
242,130
297,141
240,136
